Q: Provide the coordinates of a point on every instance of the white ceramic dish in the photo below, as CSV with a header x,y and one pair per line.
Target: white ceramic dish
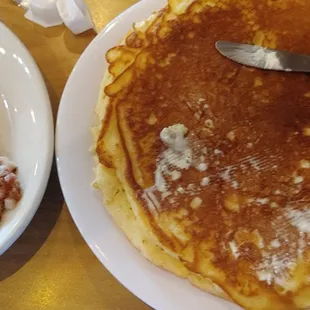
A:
x,y
156,287
26,131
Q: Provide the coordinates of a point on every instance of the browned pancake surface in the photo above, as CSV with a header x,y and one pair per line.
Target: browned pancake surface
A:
x,y
252,127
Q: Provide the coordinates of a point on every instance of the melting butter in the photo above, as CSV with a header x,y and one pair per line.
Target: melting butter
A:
x,y
177,156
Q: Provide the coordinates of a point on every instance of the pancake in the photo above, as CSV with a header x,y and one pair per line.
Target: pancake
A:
x,y
204,163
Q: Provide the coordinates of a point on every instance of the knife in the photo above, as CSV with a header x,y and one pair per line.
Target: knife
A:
x,y
264,58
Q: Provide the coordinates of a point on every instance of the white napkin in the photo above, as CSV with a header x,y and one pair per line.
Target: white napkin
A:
x,y
49,13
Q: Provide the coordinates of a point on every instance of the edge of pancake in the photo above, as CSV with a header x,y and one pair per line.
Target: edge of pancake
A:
x,y
117,203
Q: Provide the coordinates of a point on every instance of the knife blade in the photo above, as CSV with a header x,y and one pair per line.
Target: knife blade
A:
x,y
264,58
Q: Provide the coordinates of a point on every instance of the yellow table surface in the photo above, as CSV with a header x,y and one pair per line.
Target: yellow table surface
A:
x,y
50,266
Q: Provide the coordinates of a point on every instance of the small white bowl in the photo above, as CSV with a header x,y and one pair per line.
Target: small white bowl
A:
x,y
26,131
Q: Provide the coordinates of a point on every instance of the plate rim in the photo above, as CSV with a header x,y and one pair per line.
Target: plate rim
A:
x,y
48,153
94,249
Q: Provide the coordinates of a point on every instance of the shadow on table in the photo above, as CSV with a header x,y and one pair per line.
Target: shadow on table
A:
x,y
36,233
71,40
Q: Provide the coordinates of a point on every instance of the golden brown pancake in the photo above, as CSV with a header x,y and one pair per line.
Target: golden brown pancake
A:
x,y
204,163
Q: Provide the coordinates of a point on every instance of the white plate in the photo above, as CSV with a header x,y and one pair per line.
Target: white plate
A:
x,y
26,131
156,287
